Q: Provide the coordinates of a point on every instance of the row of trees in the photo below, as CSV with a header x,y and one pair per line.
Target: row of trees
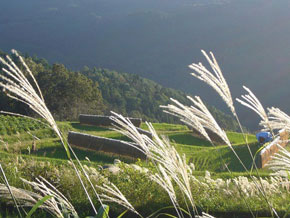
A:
x,y
66,93
99,91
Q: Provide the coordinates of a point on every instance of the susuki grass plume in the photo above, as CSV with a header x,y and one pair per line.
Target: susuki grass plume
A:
x,y
280,162
113,194
216,80
163,179
58,202
252,102
170,165
17,87
278,119
198,117
57,205
186,115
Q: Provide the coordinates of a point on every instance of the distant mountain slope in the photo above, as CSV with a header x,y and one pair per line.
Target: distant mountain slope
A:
x,y
99,91
157,39
136,96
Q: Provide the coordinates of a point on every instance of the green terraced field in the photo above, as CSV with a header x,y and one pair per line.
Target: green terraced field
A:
x,y
197,150
50,161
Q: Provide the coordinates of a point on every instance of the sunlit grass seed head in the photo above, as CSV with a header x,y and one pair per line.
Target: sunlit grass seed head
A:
x,y
251,101
278,119
197,116
171,166
216,79
111,193
17,87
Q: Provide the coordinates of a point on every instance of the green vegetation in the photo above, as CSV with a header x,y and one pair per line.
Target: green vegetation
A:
x,y
197,150
10,125
31,150
50,161
134,96
237,138
99,91
34,153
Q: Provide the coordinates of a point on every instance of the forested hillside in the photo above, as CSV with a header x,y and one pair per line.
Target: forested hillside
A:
x,y
99,91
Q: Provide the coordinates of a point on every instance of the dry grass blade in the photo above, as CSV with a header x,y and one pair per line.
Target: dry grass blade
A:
x,y
219,84
252,102
280,162
278,119
198,117
162,154
17,87
9,190
58,205
113,194
186,116
216,80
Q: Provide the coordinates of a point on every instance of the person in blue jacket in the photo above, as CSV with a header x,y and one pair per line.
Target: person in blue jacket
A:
x,y
264,137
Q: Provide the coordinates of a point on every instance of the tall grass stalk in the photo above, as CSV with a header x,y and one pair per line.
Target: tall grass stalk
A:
x,y
113,194
217,82
17,87
252,102
10,191
278,119
57,205
171,167
202,119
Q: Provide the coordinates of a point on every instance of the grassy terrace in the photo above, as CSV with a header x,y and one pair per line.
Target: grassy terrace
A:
x,y
50,161
198,151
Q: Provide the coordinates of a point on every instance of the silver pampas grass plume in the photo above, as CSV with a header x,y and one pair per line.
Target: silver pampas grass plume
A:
x,y
278,120
170,165
216,79
57,205
252,102
111,193
197,116
17,86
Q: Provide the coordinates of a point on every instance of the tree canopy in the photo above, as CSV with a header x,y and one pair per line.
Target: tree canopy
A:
x,y
98,91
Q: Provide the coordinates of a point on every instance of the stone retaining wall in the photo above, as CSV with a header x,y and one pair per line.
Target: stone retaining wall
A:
x,y
265,155
98,143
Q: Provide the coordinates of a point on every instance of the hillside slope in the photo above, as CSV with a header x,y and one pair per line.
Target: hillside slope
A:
x,y
99,91
135,96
